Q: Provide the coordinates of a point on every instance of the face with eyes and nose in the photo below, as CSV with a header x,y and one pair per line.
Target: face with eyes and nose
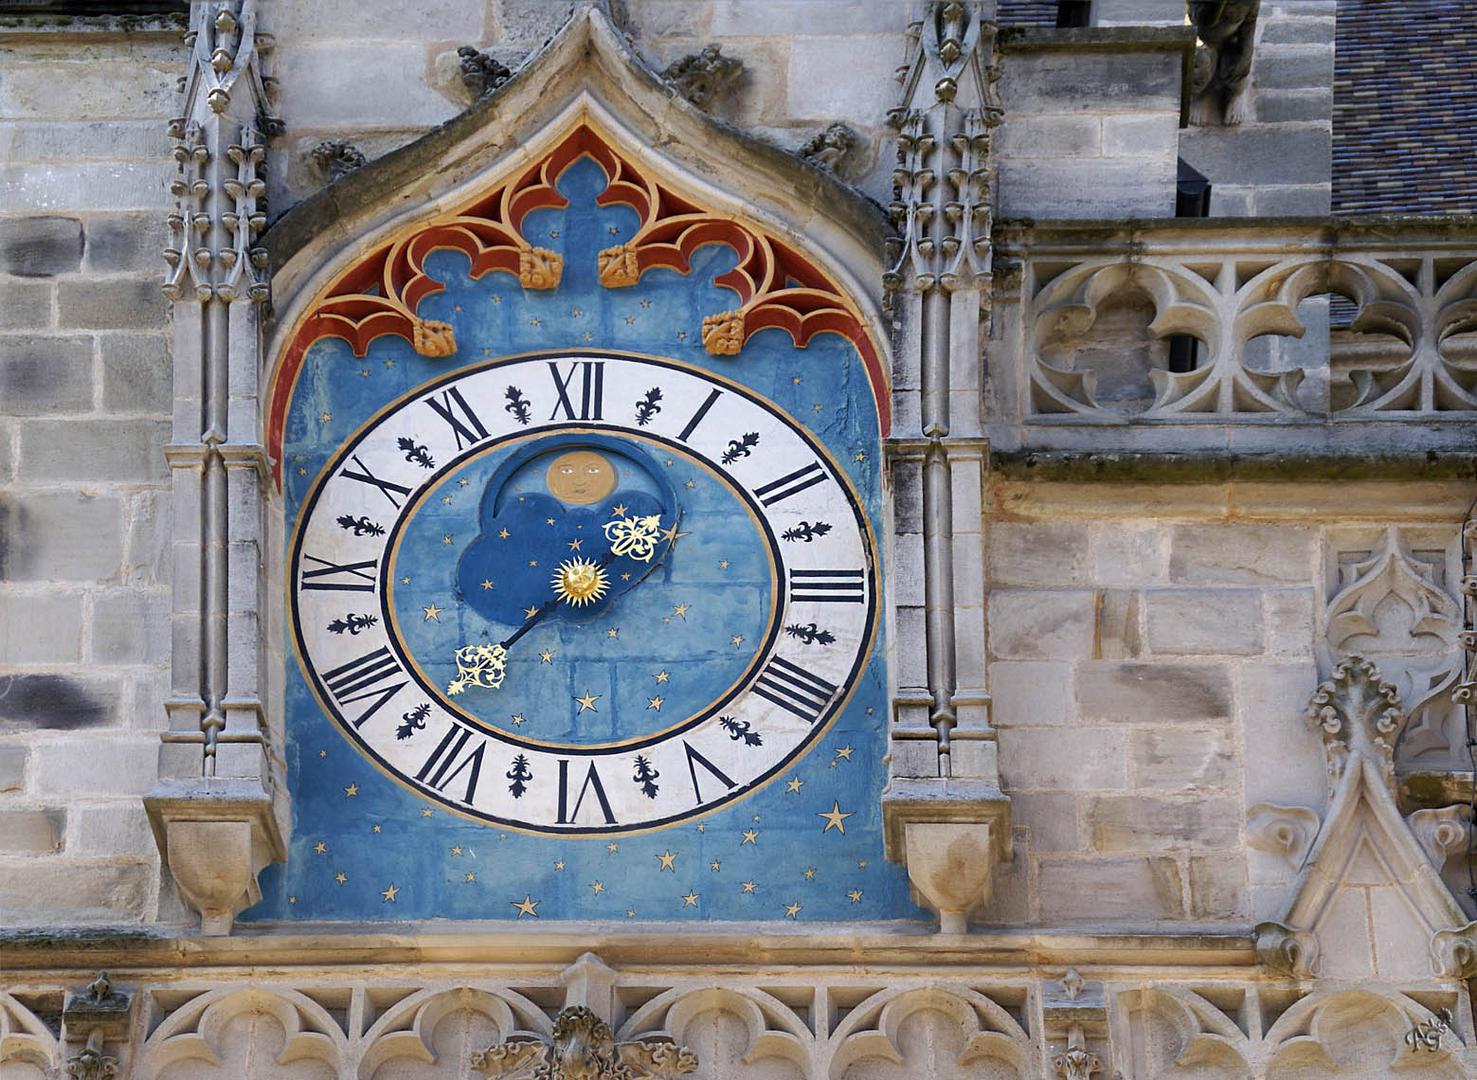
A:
x,y
580,477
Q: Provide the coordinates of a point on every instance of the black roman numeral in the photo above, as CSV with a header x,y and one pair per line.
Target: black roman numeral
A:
x,y
363,679
828,586
451,758
694,759
592,390
792,484
466,425
388,488
697,417
592,781
794,689
359,576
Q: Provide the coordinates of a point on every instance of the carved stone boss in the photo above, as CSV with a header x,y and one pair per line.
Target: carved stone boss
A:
x,y
213,813
583,1048
944,814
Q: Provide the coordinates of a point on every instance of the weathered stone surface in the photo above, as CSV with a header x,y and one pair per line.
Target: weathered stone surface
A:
x,y
410,20
1063,81
1143,823
25,305
87,186
123,243
1190,622
125,767
1259,154
1284,760
40,246
1294,106
1140,136
94,450
1063,759
1030,693
137,376
1302,200
115,829
1105,188
59,536
1148,692
115,303
39,629
41,375
1051,136
1240,554
1122,890
130,627
1128,554
1290,615
54,703
12,768
75,891
1182,759
139,83
31,832
1053,554
857,74
337,83
1051,820
1279,69
1218,886
1036,624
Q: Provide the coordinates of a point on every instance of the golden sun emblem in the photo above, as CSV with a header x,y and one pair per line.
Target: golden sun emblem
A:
x,y
580,581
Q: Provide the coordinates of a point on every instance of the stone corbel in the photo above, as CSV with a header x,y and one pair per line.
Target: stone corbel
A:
x,y
1288,831
949,834
216,837
1442,833
1286,951
1454,952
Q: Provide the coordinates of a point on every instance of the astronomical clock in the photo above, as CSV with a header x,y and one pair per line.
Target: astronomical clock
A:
x,y
585,568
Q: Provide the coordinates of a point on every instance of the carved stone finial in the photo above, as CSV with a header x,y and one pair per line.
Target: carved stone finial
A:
x,y
1227,31
101,988
705,76
1359,714
1286,951
481,74
1076,1062
336,158
583,1048
828,149
91,1064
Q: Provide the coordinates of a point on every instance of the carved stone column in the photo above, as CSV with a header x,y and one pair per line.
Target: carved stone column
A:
x,y
944,814
213,812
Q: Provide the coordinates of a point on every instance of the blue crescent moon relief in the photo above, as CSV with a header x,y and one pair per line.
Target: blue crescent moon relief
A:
x,y
543,495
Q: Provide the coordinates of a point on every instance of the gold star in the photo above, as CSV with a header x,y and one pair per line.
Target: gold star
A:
x,y
446,539
681,335
630,320
519,718
503,534
630,913
690,900
389,364
626,576
390,893
856,896
496,299
341,877
471,875
680,610
654,704
751,836
433,613
376,828
668,860
588,702
446,500
792,911
844,752
661,676
427,812
613,632
456,849
671,535
301,471
325,417
749,886
351,791
612,847
527,906
530,612
364,373
576,312
723,564
405,580
532,562
456,307
548,521
861,864
835,818
587,336
322,753
795,380
292,899
553,234
618,510
715,866
702,828
558,864
859,456
597,887
646,303
535,322
816,407
690,484
320,848
736,640
794,784
487,583
810,873
463,482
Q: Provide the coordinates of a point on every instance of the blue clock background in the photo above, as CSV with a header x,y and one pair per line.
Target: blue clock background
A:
x,y
365,847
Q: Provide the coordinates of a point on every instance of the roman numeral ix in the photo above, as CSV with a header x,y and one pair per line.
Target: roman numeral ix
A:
x,y
828,586
794,689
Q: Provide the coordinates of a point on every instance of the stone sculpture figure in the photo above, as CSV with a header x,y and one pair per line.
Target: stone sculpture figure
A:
x,y
828,149
702,77
336,158
583,1048
1227,31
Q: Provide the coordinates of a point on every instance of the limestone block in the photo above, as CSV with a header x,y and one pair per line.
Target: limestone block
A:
x,y
1050,818
383,20
1030,693
1063,759
1227,554
93,450
842,76
1140,136
1051,136
1086,188
55,703
1284,756
40,628
1117,635
1188,622
115,765
25,305
1295,200
1127,554
7,461
1060,81
12,769
60,536
32,832
1096,890
72,891
95,140
130,627
1138,13
41,246
1144,823
1029,624
40,375
1049,554
1295,68
111,303
137,375
1259,154
139,83
1218,886
1290,106
146,552
1290,615
124,243
370,84
740,18
118,828
1153,692
1182,759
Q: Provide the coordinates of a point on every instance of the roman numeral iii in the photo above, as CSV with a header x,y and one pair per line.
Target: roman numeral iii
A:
x,y
590,389
828,586
794,689
791,484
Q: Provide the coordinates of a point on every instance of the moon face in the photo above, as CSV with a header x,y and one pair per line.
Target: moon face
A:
x,y
581,477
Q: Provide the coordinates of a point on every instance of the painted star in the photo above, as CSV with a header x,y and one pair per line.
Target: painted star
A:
x,y
795,380
690,900
835,817
613,632
630,320
320,848
433,613
351,791
681,610
530,612
859,456
844,752
527,906
588,702
587,336
364,373
681,335
427,812
390,893
456,307
668,861
618,510
810,873
548,521
519,718
690,484
749,886
715,866
654,704
793,785
597,887
341,877
662,676
533,562
376,828
558,864
496,298
463,482
535,322
405,580
301,471
723,564
701,827
389,364
751,836
503,534
546,657
456,849
322,753
792,911
816,407
612,847
487,583
630,913
576,312
626,576
446,539
861,864
446,500
671,535
856,896
471,875
292,899
325,417
574,545
736,640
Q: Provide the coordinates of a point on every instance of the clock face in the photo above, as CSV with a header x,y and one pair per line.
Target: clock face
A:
x,y
578,593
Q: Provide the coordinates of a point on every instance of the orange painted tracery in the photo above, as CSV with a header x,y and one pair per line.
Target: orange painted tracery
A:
x,y
776,286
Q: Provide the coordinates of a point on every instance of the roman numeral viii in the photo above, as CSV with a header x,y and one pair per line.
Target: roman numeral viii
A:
x,y
791,484
794,689
828,586
364,679
332,577
590,389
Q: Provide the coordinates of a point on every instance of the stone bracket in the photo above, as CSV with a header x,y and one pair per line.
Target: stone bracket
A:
x,y
949,834
216,837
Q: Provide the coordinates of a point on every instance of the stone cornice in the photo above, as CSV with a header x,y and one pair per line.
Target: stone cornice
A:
x,y
1171,467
